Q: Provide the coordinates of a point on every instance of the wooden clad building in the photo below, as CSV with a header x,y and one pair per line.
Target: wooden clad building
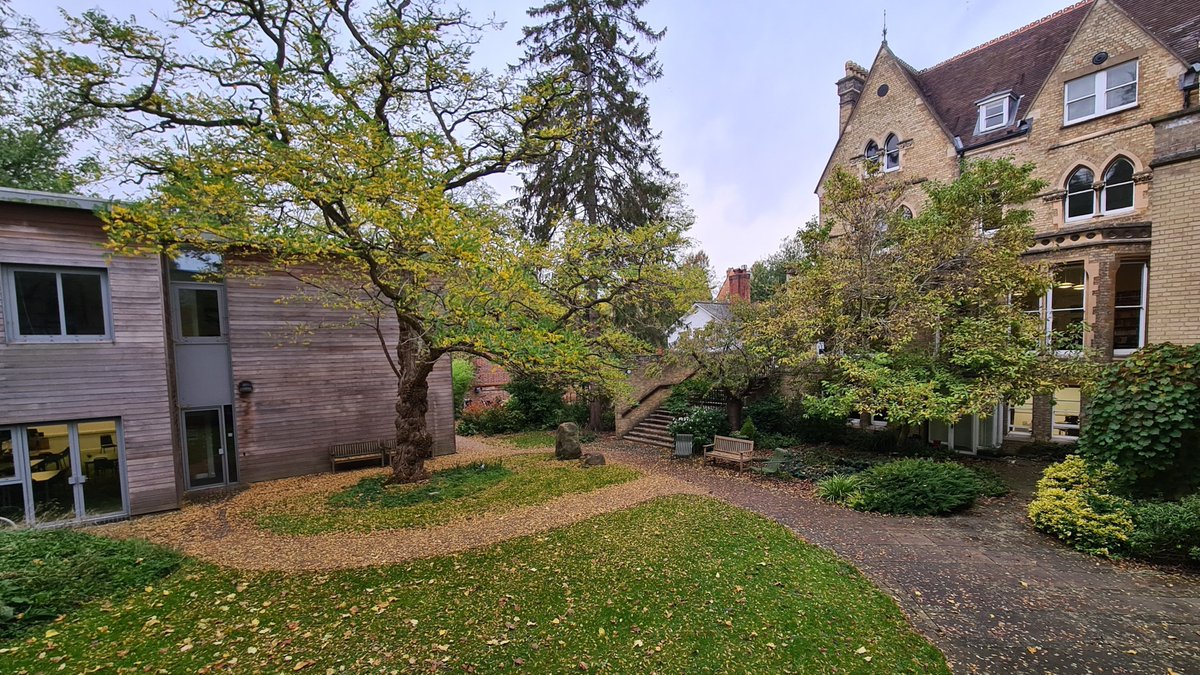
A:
x,y
126,382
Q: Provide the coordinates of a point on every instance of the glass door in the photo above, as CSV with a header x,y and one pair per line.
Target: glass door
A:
x,y
12,480
53,463
208,447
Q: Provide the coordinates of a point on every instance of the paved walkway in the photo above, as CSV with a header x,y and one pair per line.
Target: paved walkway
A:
x,y
993,594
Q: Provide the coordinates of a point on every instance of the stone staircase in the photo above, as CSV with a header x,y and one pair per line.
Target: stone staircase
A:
x,y
653,430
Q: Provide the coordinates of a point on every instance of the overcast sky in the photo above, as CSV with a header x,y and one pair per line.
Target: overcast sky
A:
x,y
747,105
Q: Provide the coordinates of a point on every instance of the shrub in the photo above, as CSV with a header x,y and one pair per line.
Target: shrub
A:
x,y
770,415
1166,530
1074,502
990,483
47,573
838,488
748,430
539,404
1142,417
814,428
462,374
871,441
916,487
490,419
769,440
702,423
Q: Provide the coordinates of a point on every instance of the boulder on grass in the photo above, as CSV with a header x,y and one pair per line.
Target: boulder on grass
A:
x,y
592,459
566,441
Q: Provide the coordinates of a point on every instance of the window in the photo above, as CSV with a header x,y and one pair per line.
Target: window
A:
x,y
1081,195
1065,303
1020,419
993,114
199,312
1117,193
891,156
1066,414
1129,315
47,304
1101,93
872,152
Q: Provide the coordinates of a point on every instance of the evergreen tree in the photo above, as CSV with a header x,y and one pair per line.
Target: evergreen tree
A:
x,y
607,171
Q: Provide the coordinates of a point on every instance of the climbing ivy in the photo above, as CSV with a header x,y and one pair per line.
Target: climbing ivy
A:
x,y
1143,418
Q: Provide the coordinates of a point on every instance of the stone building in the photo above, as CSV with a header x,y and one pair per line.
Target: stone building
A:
x,y
1102,97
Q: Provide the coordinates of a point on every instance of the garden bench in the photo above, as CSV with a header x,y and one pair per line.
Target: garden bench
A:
x,y
361,451
733,450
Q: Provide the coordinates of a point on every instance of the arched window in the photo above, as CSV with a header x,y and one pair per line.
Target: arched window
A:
x,y
1117,193
1081,197
872,152
891,156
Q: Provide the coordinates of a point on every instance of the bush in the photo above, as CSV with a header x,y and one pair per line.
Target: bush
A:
x,y
990,483
462,374
47,573
702,423
1074,502
813,428
769,440
1167,530
540,405
748,430
1142,417
916,487
839,488
770,415
871,441
490,419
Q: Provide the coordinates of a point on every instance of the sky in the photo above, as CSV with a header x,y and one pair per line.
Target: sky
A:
x,y
747,106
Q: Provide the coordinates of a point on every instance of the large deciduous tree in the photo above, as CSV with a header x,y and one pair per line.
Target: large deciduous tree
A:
x,y
915,314
40,123
347,145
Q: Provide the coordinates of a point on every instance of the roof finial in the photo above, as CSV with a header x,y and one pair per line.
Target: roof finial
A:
x,y
885,26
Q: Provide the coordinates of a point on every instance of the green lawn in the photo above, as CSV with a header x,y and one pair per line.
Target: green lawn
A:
x,y
681,584
528,440
521,480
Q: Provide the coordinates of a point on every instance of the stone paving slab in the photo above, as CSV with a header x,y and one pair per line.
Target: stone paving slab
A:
x,y
992,593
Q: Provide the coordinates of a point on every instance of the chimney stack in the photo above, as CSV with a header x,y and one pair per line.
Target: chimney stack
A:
x,y
850,88
736,286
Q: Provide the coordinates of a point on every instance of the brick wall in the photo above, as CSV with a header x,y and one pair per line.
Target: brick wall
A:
x,y
1174,303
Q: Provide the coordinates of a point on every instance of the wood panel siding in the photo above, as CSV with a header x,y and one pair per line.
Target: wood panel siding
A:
x,y
316,381
123,378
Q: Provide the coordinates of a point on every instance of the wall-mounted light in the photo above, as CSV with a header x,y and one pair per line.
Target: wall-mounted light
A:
x,y
245,387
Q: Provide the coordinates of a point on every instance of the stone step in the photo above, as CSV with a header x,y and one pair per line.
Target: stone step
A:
x,y
654,424
650,440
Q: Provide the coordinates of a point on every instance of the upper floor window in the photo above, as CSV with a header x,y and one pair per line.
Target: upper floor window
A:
x,y
993,114
1117,193
1114,195
1081,195
52,304
891,150
872,152
1065,308
1101,93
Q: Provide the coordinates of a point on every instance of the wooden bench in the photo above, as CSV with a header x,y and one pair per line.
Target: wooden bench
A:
x,y
733,450
361,451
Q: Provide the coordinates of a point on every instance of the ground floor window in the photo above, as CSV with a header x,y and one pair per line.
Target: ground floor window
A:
x,y
1129,313
62,471
1020,419
1066,412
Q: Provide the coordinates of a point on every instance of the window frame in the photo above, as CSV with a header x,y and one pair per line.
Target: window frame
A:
x,y
1100,91
1049,311
8,296
1009,410
1067,217
981,123
1140,307
1065,426
1104,210
888,167
177,317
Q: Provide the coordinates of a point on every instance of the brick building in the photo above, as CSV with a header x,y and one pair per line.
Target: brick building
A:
x,y
1102,97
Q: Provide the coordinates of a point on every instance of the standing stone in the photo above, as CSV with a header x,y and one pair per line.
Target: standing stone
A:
x,y
566,441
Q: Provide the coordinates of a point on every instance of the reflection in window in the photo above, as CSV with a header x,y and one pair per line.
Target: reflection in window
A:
x,y
1067,407
891,149
872,152
1066,308
199,312
1129,314
1117,193
1020,418
49,303
1081,196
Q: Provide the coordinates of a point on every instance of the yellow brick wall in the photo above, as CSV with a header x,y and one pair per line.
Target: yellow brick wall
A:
x,y
1174,302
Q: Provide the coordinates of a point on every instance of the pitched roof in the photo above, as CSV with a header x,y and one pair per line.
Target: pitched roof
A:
x,y
718,310
1021,61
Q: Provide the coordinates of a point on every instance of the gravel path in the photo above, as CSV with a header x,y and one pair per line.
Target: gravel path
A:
x,y
216,532
992,593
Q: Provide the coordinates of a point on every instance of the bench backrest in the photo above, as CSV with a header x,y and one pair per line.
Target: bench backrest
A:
x,y
733,445
361,448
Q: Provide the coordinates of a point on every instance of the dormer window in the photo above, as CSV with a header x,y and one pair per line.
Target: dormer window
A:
x,y
994,112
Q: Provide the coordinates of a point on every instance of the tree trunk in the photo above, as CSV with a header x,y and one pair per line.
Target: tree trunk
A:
x,y
414,443
733,410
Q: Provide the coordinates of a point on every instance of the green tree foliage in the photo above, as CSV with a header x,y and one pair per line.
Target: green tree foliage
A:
x,y
346,145
462,374
769,275
607,169
40,122
1141,416
726,360
914,313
